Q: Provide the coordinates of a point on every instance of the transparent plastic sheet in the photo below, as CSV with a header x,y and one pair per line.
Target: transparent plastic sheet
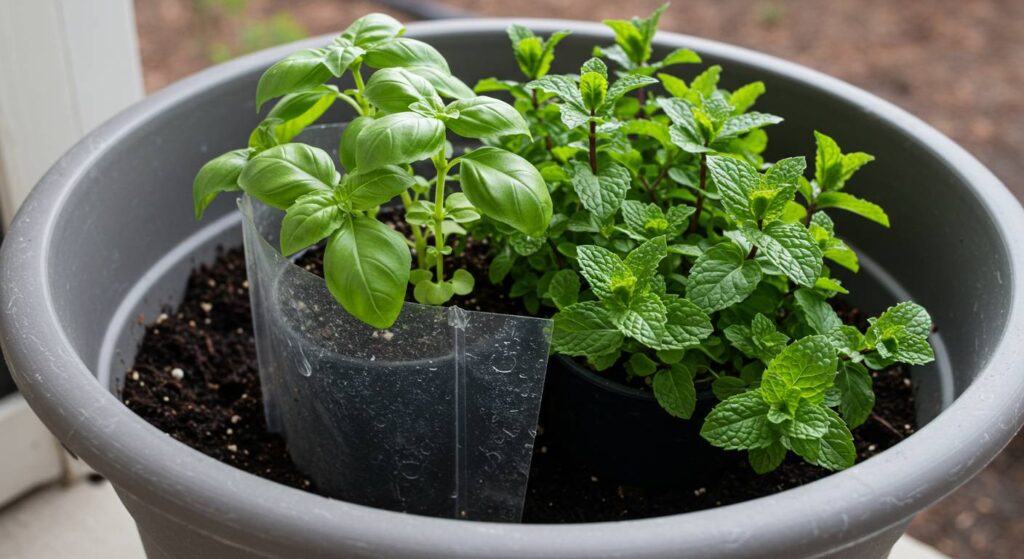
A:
x,y
436,415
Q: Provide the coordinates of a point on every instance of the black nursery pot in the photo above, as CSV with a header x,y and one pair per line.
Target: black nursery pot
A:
x,y
620,432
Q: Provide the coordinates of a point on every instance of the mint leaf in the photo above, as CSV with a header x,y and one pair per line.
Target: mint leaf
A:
x,y
764,460
808,365
815,311
643,260
848,341
674,390
735,180
850,203
745,97
564,288
600,266
643,320
740,422
856,398
686,324
743,123
790,248
834,451
585,329
722,277
601,194
809,422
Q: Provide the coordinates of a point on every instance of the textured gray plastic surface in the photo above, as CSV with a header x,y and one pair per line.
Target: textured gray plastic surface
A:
x,y
436,415
109,230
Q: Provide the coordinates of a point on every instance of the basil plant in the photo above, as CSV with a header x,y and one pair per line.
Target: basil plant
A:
x,y
681,260
406,108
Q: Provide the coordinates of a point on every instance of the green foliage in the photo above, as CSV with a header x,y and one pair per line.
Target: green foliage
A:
x,y
401,118
634,206
681,257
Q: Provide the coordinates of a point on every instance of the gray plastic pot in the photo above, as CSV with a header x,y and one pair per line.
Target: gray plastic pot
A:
x,y
109,233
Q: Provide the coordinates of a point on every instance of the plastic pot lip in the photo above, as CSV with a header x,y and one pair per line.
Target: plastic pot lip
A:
x,y
847,507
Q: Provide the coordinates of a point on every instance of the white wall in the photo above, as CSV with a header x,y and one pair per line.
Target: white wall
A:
x,y
65,67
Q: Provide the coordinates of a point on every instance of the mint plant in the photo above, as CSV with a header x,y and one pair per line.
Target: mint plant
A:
x,y
402,118
681,260
634,206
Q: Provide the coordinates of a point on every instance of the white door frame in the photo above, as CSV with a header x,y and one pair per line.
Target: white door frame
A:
x,y
65,67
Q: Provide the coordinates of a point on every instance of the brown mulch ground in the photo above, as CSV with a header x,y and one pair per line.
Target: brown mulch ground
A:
x,y
958,64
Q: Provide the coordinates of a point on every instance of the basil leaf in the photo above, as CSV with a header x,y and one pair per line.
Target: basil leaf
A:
x,y
369,189
397,139
372,29
485,117
394,89
281,174
310,219
298,72
296,111
217,175
348,144
506,188
404,52
366,266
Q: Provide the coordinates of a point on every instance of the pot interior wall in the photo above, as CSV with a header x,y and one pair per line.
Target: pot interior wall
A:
x,y
129,227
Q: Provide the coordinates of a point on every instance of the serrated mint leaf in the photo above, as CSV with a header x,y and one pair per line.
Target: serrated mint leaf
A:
x,y
740,422
674,390
722,277
833,451
856,398
807,365
786,172
809,422
908,314
764,460
850,203
600,266
745,97
643,260
643,320
735,180
914,351
790,248
640,365
815,311
686,324
848,341
726,387
901,334
601,194
625,84
585,329
743,123
309,220
562,86
564,288
761,340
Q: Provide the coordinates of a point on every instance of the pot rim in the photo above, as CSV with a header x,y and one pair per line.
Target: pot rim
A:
x,y
187,486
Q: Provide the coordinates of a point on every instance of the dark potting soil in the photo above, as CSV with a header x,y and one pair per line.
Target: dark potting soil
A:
x,y
195,377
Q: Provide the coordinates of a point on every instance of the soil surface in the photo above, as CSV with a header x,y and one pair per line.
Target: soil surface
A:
x,y
196,378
